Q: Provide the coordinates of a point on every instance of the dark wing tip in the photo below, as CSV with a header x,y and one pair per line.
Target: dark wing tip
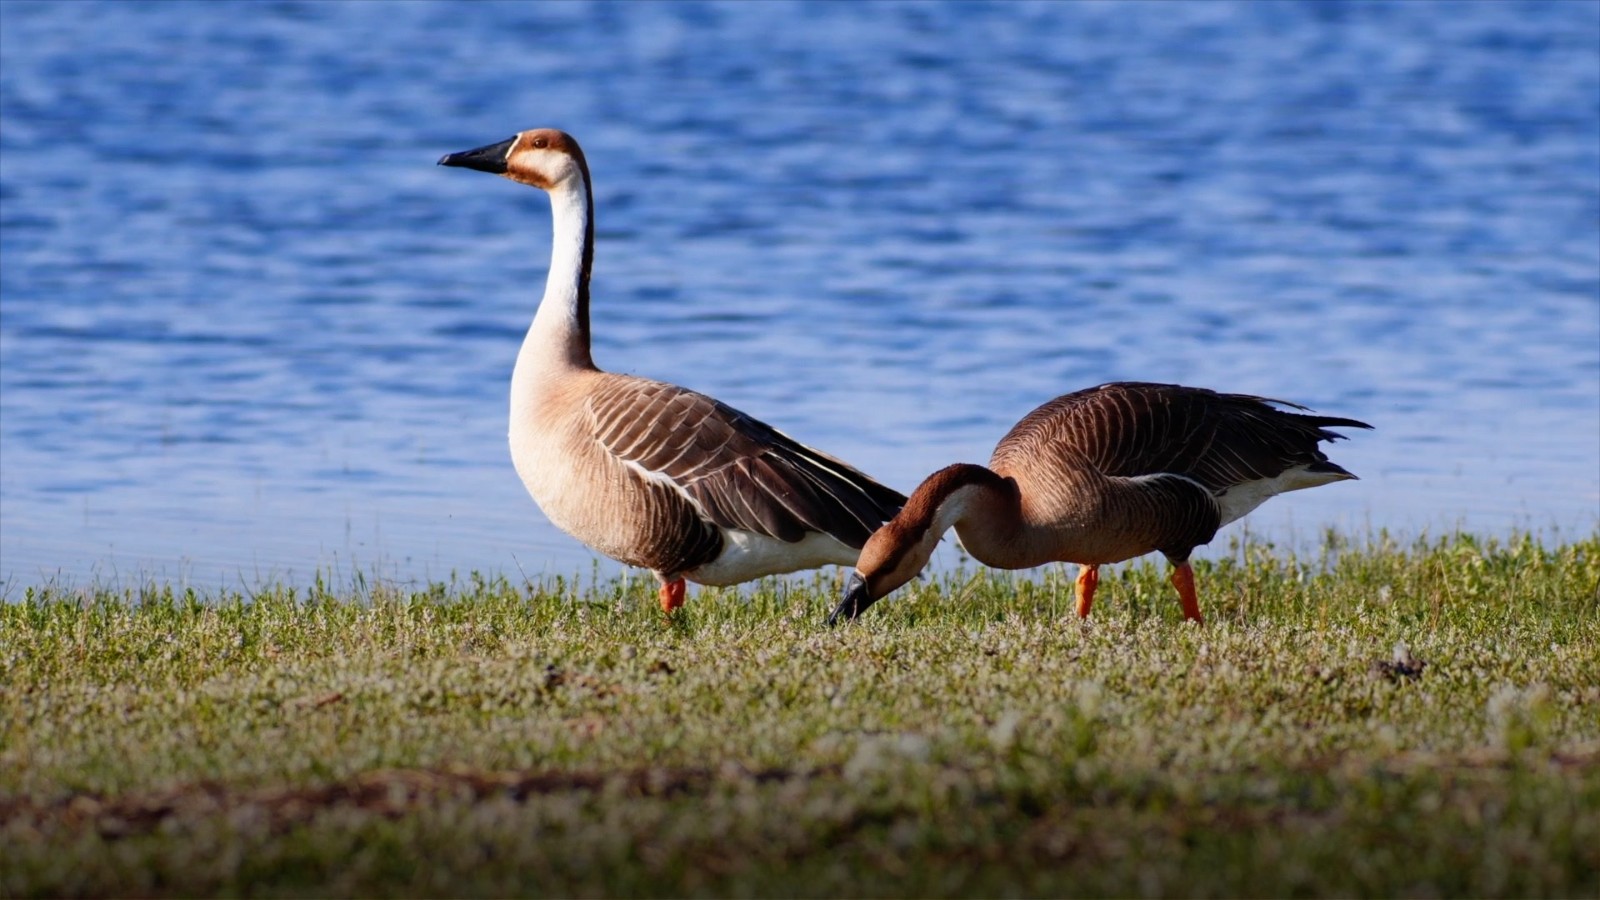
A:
x,y
1337,422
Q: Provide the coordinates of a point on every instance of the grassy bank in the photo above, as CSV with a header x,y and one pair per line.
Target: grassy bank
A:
x,y
1420,720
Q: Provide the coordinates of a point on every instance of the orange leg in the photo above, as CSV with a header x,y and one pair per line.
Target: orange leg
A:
x,y
672,595
1088,580
1183,580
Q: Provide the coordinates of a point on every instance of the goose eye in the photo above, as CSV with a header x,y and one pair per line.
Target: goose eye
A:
x,y
541,143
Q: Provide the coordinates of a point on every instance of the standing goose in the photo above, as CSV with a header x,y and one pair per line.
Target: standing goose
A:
x,y
1103,475
652,474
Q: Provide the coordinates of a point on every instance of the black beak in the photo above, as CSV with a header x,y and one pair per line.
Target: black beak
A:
x,y
855,602
485,159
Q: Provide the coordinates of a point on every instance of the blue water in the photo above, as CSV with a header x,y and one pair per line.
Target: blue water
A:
x,y
249,330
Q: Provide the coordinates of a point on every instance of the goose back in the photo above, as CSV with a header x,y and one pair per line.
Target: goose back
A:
x,y
1133,429
1127,467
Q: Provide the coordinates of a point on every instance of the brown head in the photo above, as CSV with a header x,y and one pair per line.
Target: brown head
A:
x,y
891,557
544,158
900,549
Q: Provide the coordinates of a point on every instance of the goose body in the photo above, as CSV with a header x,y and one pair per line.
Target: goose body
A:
x,y
647,473
1103,475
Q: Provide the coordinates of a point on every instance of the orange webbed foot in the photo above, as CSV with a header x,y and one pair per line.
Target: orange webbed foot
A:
x,y
1088,580
1183,580
672,595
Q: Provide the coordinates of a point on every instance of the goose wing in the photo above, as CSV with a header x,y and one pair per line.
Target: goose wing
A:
x,y
734,470
1131,429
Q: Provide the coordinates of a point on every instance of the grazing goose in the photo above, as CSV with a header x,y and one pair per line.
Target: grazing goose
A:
x,y
651,474
1103,475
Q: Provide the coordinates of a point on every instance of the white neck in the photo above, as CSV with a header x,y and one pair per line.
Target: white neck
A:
x,y
945,516
559,337
980,519
953,512
990,527
956,507
971,509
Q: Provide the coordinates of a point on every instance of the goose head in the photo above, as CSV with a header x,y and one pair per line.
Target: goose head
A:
x,y
544,158
897,552
894,555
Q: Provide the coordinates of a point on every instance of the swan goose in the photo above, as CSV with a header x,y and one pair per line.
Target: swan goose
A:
x,y
1103,475
647,473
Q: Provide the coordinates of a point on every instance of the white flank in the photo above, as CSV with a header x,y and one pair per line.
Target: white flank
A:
x,y
1239,500
746,555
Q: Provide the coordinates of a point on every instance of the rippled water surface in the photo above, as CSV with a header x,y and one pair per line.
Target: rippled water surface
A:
x,y
248,330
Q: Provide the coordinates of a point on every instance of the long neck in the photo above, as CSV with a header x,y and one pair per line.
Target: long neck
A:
x,y
984,508
559,336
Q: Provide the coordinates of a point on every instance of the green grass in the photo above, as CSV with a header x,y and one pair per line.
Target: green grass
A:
x,y
967,737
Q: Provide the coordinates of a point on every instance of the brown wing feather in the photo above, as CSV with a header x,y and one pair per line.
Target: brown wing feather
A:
x,y
734,470
1129,429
